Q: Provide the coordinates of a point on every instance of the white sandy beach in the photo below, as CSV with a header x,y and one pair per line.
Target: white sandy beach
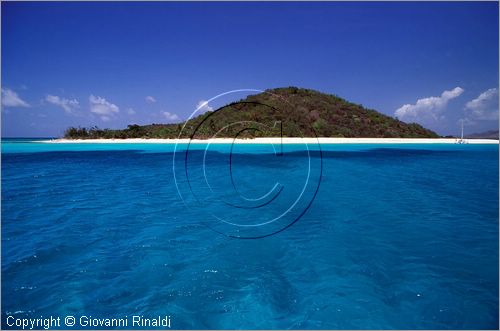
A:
x,y
276,141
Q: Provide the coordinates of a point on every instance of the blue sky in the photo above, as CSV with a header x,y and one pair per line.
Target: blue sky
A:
x,y
113,64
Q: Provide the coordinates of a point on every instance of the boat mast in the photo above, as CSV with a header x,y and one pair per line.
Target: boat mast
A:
x,y
462,135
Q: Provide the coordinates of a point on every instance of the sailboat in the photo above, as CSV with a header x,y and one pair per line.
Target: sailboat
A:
x,y
462,140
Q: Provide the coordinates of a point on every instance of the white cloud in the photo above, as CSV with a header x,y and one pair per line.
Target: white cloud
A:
x,y
484,107
170,116
130,111
203,106
427,109
103,108
150,99
11,99
67,105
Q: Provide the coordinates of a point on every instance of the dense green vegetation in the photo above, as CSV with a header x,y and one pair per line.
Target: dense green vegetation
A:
x,y
302,112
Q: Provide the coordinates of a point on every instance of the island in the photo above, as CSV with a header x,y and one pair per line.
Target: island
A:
x,y
301,113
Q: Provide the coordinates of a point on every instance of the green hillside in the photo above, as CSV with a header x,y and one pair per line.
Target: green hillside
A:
x,y
302,113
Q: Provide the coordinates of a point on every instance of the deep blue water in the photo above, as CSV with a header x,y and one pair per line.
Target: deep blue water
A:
x,y
396,236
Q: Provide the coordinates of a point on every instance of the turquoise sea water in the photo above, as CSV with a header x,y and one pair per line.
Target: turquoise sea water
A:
x,y
395,236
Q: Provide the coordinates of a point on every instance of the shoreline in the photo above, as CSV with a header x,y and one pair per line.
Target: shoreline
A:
x,y
287,140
